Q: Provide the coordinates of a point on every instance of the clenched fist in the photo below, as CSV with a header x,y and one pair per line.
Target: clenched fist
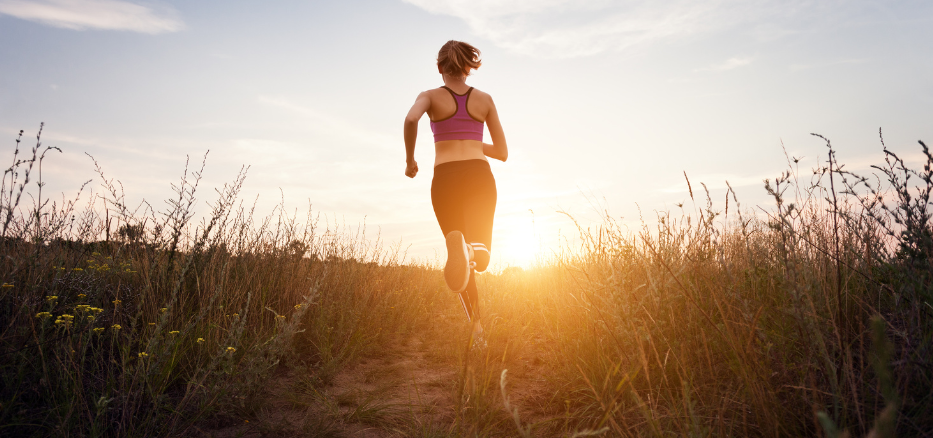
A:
x,y
411,169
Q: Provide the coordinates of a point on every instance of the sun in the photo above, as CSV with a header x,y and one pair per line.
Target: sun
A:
x,y
520,247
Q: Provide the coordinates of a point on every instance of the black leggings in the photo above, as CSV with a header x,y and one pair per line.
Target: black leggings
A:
x,y
464,197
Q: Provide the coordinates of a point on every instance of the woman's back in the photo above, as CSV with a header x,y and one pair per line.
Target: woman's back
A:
x,y
461,138
443,105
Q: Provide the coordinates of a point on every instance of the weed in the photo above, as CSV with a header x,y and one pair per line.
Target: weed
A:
x,y
131,321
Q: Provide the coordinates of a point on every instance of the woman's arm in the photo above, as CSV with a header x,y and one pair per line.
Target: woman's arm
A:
x,y
498,149
421,106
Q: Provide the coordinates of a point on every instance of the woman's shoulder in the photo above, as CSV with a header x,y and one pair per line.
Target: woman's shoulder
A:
x,y
480,96
430,92
477,93
431,95
434,93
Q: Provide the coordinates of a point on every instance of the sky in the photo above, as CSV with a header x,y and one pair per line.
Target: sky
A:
x,y
605,104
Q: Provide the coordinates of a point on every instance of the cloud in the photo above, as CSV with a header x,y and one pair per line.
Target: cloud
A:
x,y
730,64
571,28
94,14
800,67
334,126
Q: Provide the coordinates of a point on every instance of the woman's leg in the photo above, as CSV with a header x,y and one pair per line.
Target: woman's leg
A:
x,y
447,197
469,298
463,194
480,212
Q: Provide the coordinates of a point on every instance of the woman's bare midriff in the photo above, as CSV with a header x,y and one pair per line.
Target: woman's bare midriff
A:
x,y
457,150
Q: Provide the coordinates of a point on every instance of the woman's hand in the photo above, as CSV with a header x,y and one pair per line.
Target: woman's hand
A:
x,y
411,169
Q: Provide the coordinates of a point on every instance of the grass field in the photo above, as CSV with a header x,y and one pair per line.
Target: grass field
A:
x,y
809,317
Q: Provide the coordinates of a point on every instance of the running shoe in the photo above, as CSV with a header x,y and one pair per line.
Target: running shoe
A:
x,y
457,270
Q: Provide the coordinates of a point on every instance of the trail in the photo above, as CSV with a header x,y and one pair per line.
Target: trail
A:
x,y
402,383
410,389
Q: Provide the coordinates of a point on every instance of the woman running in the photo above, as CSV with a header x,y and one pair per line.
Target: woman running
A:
x,y
463,191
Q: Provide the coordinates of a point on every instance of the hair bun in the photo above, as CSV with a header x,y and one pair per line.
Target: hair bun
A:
x,y
457,58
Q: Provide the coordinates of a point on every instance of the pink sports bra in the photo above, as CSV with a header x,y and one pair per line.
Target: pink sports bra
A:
x,y
461,125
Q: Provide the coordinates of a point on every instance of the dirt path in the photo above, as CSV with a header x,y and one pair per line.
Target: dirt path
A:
x,y
400,391
411,389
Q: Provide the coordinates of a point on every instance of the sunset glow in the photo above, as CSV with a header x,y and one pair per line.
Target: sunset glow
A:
x,y
466,218
519,244
599,101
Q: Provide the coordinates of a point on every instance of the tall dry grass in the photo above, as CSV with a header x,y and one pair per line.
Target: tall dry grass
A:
x,y
808,317
812,317
135,321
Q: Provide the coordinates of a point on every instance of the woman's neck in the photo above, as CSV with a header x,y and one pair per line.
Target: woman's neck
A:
x,y
457,84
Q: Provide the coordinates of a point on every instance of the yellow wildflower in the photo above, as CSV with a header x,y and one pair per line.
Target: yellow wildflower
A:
x,y
51,298
117,302
236,315
151,324
99,330
82,308
281,317
173,332
90,317
43,315
116,327
297,306
200,340
77,269
96,309
95,253
81,295
162,310
231,350
143,355
6,285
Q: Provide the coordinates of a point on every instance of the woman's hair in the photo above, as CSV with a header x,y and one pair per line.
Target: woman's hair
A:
x,y
456,58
